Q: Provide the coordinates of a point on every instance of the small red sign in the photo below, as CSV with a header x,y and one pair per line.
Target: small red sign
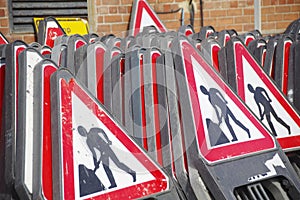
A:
x,y
142,15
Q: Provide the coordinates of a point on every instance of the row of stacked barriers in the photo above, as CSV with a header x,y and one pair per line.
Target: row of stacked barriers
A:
x,y
157,114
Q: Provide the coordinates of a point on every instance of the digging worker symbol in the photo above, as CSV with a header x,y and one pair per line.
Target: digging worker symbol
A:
x,y
218,102
261,97
95,141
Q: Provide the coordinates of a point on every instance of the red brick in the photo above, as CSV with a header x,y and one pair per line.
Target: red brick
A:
x,y
274,2
249,11
4,22
119,27
103,28
170,7
129,8
167,16
113,10
264,18
110,2
218,13
152,1
242,3
206,14
165,1
172,25
124,2
233,4
268,25
122,9
98,2
225,5
209,22
3,3
211,5
282,25
220,27
225,20
295,8
126,18
29,38
112,18
235,27
241,20
277,17
234,12
4,31
158,8
100,19
267,10
102,10
282,9
290,16
248,27
2,12
250,2
266,3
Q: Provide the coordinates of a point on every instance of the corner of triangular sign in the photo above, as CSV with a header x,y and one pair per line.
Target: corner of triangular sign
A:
x,y
143,15
138,168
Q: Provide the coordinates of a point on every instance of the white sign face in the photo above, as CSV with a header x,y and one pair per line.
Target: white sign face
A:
x,y
120,154
146,19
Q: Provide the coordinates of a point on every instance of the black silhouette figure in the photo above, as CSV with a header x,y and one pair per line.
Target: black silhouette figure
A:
x,y
95,141
261,97
218,101
216,135
89,183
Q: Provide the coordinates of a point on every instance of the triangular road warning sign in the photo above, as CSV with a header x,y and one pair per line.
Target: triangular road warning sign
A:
x,y
94,156
257,89
142,15
225,128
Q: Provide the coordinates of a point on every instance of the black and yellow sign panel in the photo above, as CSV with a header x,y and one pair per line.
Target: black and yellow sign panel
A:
x,y
71,26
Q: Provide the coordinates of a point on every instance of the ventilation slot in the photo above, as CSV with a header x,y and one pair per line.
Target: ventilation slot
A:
x,y
22,12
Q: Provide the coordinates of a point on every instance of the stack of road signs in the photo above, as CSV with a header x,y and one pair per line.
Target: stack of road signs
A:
x,y
157,114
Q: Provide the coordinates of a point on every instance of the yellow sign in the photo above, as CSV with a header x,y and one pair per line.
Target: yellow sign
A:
x,y
71,26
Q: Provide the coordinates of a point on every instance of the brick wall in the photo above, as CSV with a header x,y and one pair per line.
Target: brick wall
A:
x,y
113,16
277,14
4,26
